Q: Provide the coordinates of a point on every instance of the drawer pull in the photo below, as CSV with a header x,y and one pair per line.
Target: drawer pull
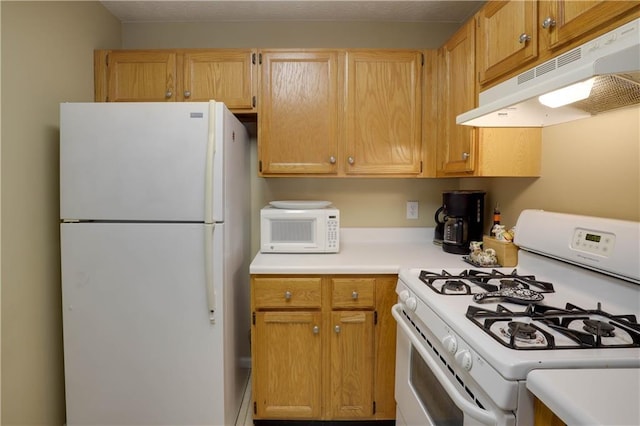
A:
x,y
337,329
316,329
354,295
287,295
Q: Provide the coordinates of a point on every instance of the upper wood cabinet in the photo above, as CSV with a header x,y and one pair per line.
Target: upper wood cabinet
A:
x,y
383,119
135,76
299,112
470,151
225,75
457,94
507,37
340,113
566,21
514,35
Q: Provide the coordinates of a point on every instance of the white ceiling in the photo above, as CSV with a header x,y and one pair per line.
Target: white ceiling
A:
x,y
292,10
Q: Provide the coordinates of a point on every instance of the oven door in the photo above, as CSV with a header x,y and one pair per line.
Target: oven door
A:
x,y
427,391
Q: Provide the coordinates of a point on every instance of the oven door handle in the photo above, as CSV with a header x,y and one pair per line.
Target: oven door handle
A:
x,y
483,416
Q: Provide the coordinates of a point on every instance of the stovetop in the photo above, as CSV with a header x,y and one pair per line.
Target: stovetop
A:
x,y
549,314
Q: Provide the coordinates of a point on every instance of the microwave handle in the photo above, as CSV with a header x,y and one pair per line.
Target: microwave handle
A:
x,y
477,413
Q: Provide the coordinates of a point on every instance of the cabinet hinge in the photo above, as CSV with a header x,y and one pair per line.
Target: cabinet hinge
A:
x,y
375,317
255,408
420,166
253,318
260,58
374,407
253,58
260,166
253,100
422,55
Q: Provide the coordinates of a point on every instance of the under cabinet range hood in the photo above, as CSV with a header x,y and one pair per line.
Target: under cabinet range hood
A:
x,y
607,68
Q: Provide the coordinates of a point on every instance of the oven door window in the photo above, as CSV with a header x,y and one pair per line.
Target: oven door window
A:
x,y
432,395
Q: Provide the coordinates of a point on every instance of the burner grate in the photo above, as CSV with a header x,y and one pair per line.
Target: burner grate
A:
x,y
446,283
601,330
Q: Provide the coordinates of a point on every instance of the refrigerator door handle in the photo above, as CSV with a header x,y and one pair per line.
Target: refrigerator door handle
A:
x,y
209,228
208,172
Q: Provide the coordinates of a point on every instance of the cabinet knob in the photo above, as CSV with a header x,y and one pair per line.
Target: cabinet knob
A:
x,y
351,160
287,295
548,22
316,329
168,94
332,159
354,295
187,93
524,37
337,329
465,155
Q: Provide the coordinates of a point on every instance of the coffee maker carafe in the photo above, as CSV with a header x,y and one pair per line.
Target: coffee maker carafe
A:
x,y
464,219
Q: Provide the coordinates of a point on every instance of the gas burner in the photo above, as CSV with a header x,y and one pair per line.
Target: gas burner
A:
x,y
510,284
455,287
521,330
599,328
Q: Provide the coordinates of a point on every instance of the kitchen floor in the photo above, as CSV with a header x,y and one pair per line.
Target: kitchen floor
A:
x,y
245,418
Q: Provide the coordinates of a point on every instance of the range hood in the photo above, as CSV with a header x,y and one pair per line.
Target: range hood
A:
x,y
610,63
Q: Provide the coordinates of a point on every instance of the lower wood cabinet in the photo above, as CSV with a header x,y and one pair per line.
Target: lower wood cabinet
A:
x,y
323,347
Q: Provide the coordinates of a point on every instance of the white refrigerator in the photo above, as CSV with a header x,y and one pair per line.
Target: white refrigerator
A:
x,y
154,207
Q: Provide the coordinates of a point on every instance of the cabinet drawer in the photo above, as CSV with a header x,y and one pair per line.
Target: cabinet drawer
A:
x,y
352,293
287,292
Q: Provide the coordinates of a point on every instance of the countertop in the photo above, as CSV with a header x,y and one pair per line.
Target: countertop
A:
x,y
607,396
364,251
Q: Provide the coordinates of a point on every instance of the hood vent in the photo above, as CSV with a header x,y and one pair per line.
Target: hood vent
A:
x,y
612,60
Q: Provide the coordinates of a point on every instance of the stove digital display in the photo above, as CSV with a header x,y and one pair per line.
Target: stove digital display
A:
x,y
593,237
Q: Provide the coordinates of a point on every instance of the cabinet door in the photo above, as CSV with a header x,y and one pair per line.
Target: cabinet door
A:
x,y
287,365
456,146
567,20
352,357
383,134
141,76
299,106
507,37
224,75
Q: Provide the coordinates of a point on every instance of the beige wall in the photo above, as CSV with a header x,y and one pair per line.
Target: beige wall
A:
x,y
47,51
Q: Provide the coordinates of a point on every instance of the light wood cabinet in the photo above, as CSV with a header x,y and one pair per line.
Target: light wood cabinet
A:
x,y
181,75
457,94
515,35
340,113
568,21
507,37
543,416
299,112
470,151
323,347
383,118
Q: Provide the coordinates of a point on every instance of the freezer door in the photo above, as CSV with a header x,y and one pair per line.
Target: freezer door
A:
x,y
142,161
139,347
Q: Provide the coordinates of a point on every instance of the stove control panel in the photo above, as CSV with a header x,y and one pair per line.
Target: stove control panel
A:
x,y
596,242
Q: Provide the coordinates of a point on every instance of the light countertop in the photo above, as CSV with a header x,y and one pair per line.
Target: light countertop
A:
x,y
364,251
606,396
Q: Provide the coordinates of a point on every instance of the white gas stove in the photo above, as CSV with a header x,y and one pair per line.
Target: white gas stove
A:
x,y
472,335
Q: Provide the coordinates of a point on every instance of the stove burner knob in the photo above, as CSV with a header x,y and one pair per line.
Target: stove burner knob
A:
x,y
464,359
450,344
411,303
404,295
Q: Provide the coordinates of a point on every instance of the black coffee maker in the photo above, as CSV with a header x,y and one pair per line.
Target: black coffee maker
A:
x,y
463,220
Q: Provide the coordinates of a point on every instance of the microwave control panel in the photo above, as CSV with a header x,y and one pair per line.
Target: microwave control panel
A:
x,y
333,233
596,242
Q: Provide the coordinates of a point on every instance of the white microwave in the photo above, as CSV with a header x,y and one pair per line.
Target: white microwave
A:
x,y
299,230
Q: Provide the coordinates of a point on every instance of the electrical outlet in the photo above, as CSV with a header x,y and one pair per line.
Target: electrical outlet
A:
x,y
412,209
